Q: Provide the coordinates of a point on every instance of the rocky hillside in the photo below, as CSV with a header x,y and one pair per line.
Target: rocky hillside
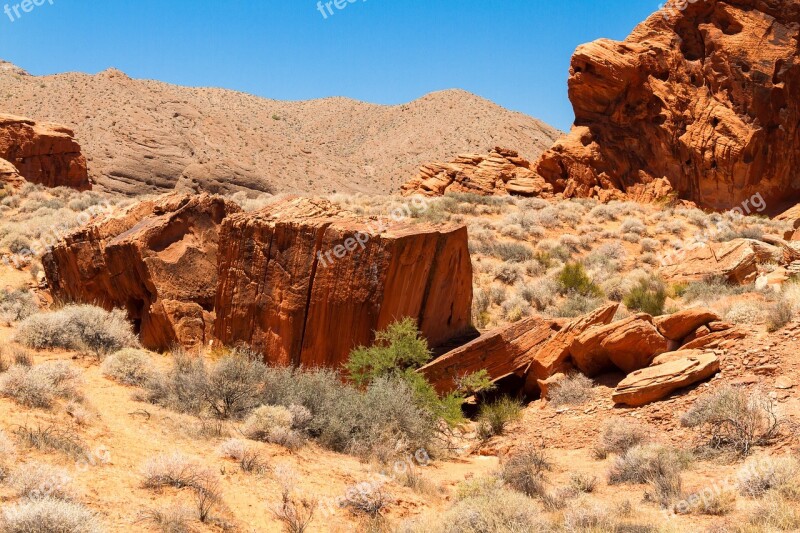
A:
x,y
705,97
146,136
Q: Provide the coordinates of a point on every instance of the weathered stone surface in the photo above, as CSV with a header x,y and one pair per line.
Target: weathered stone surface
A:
x,y
501,172
628,344
553,356
717,339
737,261
304,282
704,97
43,153
500,352
679,370
157,260
9,176
679,325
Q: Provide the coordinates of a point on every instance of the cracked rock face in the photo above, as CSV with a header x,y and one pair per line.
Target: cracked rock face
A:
x,y
41,153
304,282
705,98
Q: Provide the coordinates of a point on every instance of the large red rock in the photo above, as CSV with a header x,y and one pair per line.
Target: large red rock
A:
x,y
157,260
679,325
736,261
553,356
678,370
501,172
705,98
500,352
304,282
43,153
628,344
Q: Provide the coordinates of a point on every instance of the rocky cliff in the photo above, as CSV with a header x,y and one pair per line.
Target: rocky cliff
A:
x,y
41,153
705,97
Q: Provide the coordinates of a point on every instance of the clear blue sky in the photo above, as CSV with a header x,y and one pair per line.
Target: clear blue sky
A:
x,y
513,52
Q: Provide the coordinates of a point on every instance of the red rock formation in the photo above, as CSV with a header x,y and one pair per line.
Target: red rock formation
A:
x,y
9,176
304,282
501,172
43,153
705,97
157,260
736,261
679,325
500,352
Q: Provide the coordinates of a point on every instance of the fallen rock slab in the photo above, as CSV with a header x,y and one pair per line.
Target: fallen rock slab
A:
x,y
304,282
500,352
656,382
628,344
554,354
679,325
717,339
736,261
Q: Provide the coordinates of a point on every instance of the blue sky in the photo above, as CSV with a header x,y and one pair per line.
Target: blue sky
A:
x,y
513,52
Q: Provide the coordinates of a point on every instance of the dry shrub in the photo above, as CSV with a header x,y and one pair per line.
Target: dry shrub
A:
x,y
295,511
370,499
78,327
129,366
643,463
524,470
170,520
35,480
773,513
249,459
618,437
173,470
733,419
52,438
710,503
581,483
16,304
40,386
575,389
780,474
588,517
48,515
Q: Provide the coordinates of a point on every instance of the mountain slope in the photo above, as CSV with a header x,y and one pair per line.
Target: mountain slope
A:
x,y
142,136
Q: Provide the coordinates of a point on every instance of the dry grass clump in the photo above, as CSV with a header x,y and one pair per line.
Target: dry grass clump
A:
x,y
747,313
171,470
780,475
779,314
774,513
175,519
734,419
48,515
41,385
52,438
295,511
525,469
370,499
78,327
35,480
582,483
8,453
574,389
129,366
16,304
495,416
585,516
708,503
642,463
618,437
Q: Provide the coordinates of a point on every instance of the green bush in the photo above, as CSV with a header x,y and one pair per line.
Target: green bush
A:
x,y
573,278
494,417
648,296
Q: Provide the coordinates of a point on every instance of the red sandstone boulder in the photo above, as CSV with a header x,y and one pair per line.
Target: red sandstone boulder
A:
x,y
500,352
157,260
704,96
43,153
501,172
304,282
679,325
716,339
628,344
737,261
675,371
9,176
553,356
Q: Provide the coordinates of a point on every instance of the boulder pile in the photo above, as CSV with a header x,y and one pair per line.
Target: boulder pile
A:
x,y
658,355
41,153
301,281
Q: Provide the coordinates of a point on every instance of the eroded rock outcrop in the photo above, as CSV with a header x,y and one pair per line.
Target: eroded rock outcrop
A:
x,y
705,98
157,260
304,282
42,153
736,261
501,172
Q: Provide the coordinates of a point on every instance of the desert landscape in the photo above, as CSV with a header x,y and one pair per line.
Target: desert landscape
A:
x,y
220,312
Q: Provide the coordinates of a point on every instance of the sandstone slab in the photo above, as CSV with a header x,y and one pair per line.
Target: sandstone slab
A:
x,y
679,325
736,261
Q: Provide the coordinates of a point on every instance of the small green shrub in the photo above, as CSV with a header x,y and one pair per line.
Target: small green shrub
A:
x,y
573,278
648,296
494,417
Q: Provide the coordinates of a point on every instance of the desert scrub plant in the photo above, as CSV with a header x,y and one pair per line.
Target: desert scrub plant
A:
x,y
642,463
274,424
709,503
16,304
619,436
779,314
582,483
175,519
41,385
48,515
52,438
129,366
648,296
170,470
512,252
35,480
7,454
573,278
78,327
495,416
574,389
524,470
773,513
734,419
779,474
370,499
